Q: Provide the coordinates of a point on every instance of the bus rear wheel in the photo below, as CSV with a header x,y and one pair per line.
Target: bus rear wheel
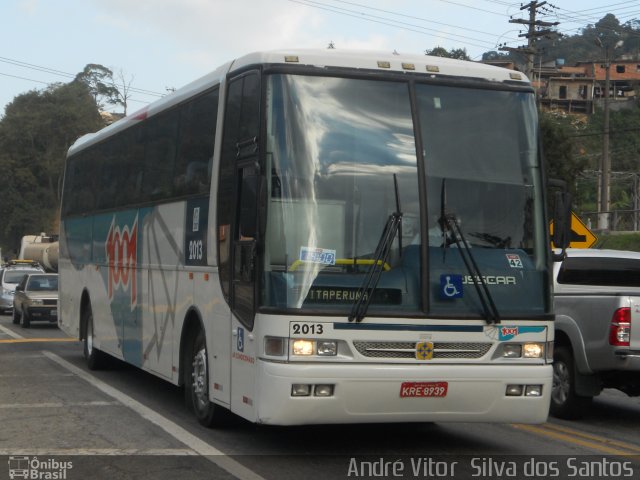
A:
x,y
196,386
94,357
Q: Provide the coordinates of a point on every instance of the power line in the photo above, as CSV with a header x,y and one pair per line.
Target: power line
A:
x,y
473,8
390,22
60,73
413,17
53,83
24,78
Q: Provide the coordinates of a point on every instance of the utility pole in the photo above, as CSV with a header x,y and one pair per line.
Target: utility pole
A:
x,y
532,34
605,167
605,198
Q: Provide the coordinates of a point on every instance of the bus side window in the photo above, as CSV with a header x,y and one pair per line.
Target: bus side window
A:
x,y
160,155
196,141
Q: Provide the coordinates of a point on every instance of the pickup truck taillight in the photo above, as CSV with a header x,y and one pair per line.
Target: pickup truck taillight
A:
x,y
620,332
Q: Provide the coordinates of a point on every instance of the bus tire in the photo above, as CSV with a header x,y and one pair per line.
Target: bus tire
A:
x,y
196,385
96,359
25,321
565,402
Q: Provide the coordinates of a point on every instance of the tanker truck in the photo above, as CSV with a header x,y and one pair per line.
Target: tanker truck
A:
x,y
41,248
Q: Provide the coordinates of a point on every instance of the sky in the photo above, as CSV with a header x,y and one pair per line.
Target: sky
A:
x,y
156,45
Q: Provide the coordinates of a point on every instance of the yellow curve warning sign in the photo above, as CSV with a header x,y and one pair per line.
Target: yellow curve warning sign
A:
x,y
580,236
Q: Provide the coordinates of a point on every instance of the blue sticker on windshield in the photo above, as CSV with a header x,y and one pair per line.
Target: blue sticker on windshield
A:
x,y
323,256
451,286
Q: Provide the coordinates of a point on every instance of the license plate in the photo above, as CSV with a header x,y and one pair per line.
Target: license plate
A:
x,y
423,389
54,313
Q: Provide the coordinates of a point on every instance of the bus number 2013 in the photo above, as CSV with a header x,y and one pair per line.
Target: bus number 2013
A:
x,y
307,329
195,250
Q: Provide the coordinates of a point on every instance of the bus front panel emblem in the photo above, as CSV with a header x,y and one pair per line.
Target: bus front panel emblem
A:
x,y
424,350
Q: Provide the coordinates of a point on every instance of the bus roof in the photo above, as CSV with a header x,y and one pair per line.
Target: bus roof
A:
x,y
325,58
381,61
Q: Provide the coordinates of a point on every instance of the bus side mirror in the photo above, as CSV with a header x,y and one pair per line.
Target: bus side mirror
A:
x,y
561,216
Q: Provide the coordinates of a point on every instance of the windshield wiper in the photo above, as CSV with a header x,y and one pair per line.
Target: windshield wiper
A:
x,y
492,240
449,223
392,228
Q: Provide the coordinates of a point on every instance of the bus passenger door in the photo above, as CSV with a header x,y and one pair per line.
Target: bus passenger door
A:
x,y
239,189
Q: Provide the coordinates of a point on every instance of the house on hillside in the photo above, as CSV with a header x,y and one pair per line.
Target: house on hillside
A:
x,y
581,87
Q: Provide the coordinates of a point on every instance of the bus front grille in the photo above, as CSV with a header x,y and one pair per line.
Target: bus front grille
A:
x,y
441,350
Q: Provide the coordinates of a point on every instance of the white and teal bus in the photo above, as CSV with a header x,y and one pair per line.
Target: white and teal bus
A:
x,y
310,237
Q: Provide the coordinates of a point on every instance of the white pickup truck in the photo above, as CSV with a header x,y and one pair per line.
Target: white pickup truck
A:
x,y
597,328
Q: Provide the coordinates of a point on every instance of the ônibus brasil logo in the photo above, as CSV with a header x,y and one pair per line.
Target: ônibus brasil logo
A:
x,y
121,249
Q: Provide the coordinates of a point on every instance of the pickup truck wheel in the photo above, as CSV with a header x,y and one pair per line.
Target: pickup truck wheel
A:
x,y
25,321
565,402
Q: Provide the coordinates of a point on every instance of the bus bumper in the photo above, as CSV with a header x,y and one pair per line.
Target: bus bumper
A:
x,y
372,393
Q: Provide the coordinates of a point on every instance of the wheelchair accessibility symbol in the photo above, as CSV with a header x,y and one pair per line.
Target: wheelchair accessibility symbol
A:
x,y
240,341
451,286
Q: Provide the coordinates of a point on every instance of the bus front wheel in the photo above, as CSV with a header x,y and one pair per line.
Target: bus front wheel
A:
x,y
196,385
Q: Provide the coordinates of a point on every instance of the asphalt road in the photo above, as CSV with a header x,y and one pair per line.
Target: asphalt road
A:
x,y
124,423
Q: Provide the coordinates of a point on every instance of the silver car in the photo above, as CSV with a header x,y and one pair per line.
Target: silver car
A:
x,y
10,276
36,299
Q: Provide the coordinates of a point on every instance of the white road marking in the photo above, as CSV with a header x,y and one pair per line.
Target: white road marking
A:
x,y
176,431
33,375
11,333
98,451
58,405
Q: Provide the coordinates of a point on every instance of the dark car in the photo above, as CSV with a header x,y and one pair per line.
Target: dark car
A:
x,y
36,299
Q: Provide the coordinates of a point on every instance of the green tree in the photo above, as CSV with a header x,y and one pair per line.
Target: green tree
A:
x,y
99,81
558,150
608,31
35,134
494,55
457,53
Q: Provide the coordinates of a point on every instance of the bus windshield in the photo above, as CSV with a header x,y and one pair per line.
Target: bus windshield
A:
x,y
334,146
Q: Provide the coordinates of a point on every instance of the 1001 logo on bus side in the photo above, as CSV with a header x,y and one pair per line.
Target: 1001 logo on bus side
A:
x,y
121,250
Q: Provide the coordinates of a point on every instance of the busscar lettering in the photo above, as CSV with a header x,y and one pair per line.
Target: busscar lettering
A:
x,y
491,279
121,250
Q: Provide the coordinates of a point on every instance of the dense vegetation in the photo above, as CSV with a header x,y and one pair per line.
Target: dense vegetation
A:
x,y
39,126
35,133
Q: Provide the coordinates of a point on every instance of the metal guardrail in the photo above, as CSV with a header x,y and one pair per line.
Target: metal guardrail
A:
x,y
619,220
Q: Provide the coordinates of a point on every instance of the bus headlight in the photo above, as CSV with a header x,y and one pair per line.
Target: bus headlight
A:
x,y
533,391
327,348
322,348
512,350
303,347
533,350
521,350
